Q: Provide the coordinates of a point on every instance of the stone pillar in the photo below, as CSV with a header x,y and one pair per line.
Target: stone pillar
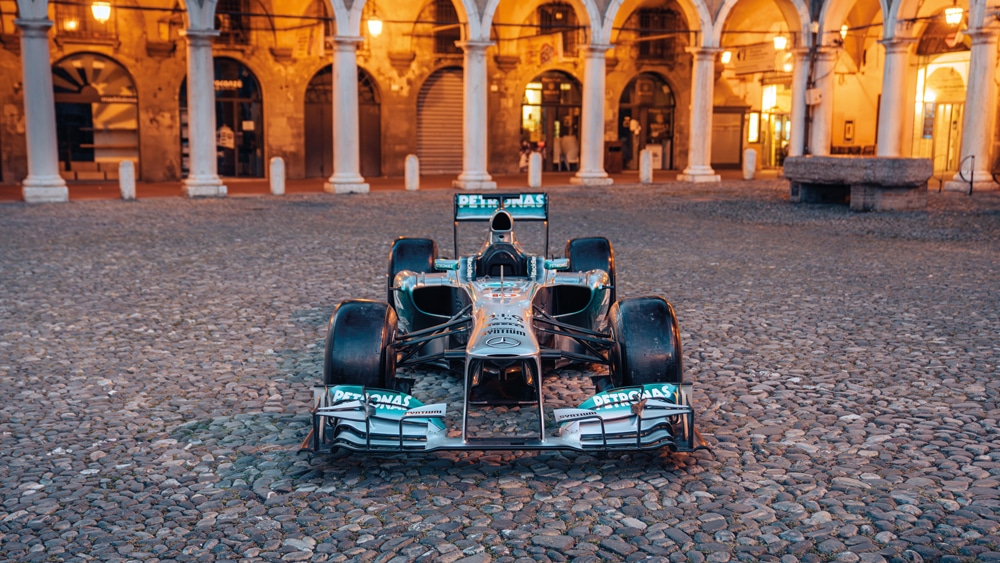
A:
x,y
800,83
203,176
591,171
699,167
892,107
822,113
980,114
43,183
474,119
346,176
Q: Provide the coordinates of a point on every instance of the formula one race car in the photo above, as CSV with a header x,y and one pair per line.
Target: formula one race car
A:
x,y
500,318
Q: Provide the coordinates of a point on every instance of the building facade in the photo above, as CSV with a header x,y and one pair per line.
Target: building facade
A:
x,y
201,92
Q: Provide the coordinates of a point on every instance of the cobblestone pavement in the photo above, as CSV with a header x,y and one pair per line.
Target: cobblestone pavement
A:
x,y
156,360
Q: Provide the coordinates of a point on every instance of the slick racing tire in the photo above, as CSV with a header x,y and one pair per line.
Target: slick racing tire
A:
x,y
414,254
647,343
359,345
592,253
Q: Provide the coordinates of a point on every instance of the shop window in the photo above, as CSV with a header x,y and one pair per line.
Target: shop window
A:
x,y
560,18
657,29
448,29
77,21
232,19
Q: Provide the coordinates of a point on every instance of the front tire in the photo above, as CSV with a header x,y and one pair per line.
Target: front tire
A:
x,y
359,345
593,253
414,254
647,343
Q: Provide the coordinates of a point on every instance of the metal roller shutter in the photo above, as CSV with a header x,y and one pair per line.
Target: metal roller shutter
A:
x,y
439,123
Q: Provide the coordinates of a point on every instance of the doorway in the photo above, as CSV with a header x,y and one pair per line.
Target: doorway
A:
x,y
646,121
97,116
319,125
439,122
550,119
239,121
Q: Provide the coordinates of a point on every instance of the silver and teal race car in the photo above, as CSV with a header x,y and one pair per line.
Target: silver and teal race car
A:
x,y
500,319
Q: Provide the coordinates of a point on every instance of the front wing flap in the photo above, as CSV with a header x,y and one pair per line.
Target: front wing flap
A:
x,y
645,417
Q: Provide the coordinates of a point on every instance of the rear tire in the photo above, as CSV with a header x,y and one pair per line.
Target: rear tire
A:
x,y
647,343
359,345
414,254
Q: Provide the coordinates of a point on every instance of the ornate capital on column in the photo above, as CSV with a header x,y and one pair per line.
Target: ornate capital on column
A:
x,y
897,44
984,36
347,43
704,53
33,28
472,47
200,37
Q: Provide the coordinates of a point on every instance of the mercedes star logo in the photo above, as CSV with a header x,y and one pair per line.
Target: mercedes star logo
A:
x,y
503,342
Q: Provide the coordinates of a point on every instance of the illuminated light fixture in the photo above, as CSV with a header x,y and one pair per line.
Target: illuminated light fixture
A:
x,y
727,56
753,129
374,22
843,31
101,11
375,26
71,24
953,15
780,42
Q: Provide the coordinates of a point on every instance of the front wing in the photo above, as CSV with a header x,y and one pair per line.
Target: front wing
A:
x,y
647,417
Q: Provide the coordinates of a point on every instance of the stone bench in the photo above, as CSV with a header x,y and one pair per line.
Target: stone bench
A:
x,y
868,183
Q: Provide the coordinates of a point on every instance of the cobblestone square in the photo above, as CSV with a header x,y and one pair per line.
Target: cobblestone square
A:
x,y
157,358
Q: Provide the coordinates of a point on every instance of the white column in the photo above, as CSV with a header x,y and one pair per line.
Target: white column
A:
x,y
346,176
892,107
592,171
822,113
699,167
800,83
980,114
43,184
474,119
203,176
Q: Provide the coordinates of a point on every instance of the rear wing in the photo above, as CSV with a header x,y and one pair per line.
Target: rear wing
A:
x,y
521,206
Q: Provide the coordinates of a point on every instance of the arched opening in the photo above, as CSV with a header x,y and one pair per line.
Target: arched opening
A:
x,y
646,121
942,75
319,125
239,121
439,122
97,116
550,110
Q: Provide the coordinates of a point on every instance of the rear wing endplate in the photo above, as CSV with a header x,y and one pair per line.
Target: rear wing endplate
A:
x,y
521,206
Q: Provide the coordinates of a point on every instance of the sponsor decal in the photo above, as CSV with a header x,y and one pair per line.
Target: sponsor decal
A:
x,y
388,404
503,342
381,398
625,397
520,206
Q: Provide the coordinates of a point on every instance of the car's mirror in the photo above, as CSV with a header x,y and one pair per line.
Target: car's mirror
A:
x,y
444,264
557,264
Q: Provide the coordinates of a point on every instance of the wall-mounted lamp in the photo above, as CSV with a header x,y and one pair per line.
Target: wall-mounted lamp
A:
x,y
71,24
780,42
374,23
101,11
843,31
375,26
953,15
727,57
